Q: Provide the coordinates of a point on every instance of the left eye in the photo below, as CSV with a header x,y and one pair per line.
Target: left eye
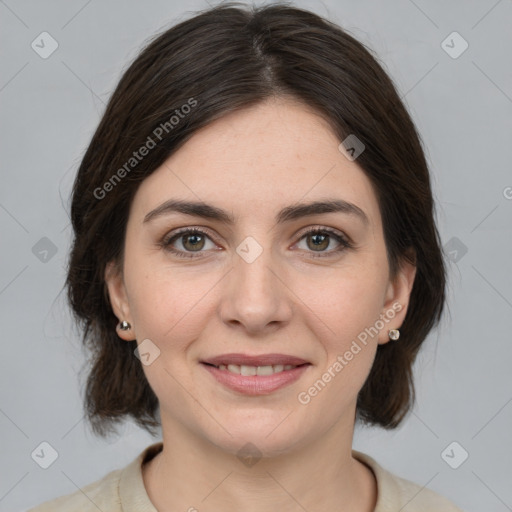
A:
x,y
193,240
319,239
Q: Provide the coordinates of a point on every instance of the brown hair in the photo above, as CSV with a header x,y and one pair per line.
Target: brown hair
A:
x,y
223,59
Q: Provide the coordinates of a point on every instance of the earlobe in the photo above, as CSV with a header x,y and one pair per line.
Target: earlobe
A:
x,y
397,302
119,301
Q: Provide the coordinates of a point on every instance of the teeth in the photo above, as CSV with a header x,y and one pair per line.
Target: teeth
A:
x,y
255,370
266,370
247,370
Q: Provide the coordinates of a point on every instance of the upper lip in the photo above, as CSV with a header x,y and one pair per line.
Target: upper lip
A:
x,y
261,360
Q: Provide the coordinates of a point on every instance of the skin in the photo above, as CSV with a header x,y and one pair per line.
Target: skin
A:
x,y
274,154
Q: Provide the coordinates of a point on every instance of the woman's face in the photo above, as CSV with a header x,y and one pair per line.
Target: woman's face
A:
x,y
258,284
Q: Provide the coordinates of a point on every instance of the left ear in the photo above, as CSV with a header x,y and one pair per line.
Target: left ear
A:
x,y
397,298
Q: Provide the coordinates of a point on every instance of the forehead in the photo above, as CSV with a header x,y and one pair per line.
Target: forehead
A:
x,y
258,160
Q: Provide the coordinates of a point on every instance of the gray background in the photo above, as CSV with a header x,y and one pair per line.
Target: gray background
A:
x,y
463,109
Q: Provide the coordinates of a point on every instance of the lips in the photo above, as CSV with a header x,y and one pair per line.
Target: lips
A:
x,y
261,360
255,375
256,380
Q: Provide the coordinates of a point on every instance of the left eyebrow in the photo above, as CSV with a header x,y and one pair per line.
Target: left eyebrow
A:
x,y
286,214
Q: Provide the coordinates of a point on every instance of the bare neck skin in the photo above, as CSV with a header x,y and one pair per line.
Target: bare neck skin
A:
x,y
190,472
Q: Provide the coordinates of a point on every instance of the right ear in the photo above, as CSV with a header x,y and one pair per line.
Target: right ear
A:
x,y
118,298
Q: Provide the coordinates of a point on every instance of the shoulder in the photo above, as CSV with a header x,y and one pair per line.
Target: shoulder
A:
x,y
121,490
396,493
102,494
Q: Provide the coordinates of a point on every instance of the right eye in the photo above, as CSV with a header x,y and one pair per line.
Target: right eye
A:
x,y
192,241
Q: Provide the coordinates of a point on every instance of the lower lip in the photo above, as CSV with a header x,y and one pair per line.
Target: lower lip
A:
x,y
256,384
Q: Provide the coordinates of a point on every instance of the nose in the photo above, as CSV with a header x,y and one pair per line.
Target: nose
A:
x,y
256,295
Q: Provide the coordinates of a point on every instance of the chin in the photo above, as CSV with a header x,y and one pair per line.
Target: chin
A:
x,y
266,437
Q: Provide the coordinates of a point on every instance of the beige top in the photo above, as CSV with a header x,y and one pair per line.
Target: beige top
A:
x,y
122,490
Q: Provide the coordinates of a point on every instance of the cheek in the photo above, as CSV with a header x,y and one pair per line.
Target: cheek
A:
x,y
171,308
343,303
168,304
342,316
342,311
173,305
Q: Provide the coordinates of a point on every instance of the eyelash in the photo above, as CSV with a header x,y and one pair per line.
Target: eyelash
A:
x,y
166,242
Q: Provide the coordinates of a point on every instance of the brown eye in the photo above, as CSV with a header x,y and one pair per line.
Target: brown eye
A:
x,y
318,240
189,241
193,242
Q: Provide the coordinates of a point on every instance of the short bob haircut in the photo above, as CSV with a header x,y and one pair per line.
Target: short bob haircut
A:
x,y
221,60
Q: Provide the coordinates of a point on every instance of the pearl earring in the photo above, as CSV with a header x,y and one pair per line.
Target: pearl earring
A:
x,y
124,326
394,334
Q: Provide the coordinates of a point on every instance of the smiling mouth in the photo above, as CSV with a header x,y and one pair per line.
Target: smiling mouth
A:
x,y
248,371
252,380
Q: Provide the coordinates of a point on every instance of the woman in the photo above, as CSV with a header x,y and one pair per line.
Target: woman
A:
x,y
255,264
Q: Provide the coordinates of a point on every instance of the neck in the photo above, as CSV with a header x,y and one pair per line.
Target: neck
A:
x,y
191,472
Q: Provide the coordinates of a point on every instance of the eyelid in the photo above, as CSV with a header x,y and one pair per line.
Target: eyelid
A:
x,y
175,233
345,241
301,232
321,227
